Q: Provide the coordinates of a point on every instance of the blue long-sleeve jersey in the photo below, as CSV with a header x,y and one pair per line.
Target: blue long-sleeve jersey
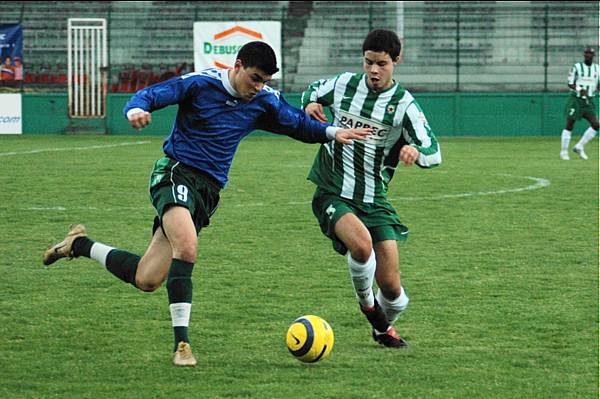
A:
x,y
211,121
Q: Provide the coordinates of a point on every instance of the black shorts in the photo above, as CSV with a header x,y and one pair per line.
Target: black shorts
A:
x,y
175,184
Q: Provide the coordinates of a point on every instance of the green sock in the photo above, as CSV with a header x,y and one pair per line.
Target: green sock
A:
x,y
179,290
123,265
82,246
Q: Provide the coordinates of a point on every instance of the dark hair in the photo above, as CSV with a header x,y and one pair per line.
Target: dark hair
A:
x,y
259,55
589,49
379,40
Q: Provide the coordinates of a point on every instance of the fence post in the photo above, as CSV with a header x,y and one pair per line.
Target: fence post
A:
x,y
545,91
546,48
283,73
457,46
109,21
22,13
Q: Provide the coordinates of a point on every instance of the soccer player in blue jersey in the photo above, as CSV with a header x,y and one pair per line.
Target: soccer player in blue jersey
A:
x,y
217,109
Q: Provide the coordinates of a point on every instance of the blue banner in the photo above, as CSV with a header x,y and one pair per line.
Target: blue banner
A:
x,y
11,52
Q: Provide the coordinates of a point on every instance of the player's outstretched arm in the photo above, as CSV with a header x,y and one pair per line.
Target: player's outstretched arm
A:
x,y
345,136
281,118
173,91
140,119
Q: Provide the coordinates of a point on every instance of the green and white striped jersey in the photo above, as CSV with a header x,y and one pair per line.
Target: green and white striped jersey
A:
x,y
585,76
362,171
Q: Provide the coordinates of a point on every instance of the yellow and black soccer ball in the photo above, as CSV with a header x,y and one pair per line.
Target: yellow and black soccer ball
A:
x,y
309,339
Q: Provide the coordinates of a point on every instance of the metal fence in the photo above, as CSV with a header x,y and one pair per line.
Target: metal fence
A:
x,y
448,46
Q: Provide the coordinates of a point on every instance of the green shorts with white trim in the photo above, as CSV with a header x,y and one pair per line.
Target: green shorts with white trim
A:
x,y
379,218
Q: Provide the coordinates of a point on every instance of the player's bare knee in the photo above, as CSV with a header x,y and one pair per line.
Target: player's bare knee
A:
x,y
186,253
391,291
361,252
595,126
570,125
148,285
187,256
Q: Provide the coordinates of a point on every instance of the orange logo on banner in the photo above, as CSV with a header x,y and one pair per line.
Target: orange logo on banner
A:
x,y
221,65
239,29
232,31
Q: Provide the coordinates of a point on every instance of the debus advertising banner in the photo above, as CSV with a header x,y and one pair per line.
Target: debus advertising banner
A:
x,y
217,43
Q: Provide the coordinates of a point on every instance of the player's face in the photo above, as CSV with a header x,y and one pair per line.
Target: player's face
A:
x,y
248,82
379,68
588,56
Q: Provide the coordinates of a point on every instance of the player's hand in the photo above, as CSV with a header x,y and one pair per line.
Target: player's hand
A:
x,y
140,120
345,136
315,111
408,155
583,93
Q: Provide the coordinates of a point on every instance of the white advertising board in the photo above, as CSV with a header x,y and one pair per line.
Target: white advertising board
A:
x,y
217,43
11,120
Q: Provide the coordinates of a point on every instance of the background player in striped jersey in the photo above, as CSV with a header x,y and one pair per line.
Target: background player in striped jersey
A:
x,y
351,201
217,109
584,82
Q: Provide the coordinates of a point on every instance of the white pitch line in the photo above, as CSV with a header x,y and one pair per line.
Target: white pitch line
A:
x,y
92,147
52,208
86,208
539,183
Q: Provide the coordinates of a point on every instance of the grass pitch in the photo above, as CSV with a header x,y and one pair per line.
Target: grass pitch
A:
x,y
501,267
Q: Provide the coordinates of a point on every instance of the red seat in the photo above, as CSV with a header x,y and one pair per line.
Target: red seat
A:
x,y
60,78
143,79
42,77
124,85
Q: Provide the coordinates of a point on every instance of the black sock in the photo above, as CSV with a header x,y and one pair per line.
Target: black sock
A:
x,y
179,289
82,246
123,265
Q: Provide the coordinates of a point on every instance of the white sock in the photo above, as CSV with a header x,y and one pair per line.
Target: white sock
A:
x,y
362,275
565,139
393,308
587,136
99,252
180,314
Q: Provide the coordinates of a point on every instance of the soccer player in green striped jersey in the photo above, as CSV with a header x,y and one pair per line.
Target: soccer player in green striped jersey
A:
x,y
584,82
351,201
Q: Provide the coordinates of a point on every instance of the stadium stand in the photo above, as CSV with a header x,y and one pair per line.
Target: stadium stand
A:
x,y
333,37
468,45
